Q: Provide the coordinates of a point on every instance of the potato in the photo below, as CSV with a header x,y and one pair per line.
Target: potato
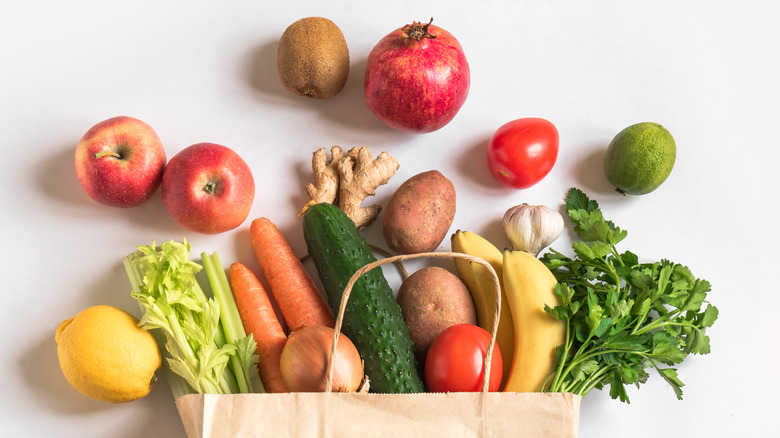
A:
x,y
432,299
420,213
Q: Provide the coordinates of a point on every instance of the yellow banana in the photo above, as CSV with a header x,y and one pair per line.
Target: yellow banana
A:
x,y
529,285
479,282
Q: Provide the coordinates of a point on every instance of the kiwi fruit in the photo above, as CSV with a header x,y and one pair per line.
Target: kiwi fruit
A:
x,y
313,58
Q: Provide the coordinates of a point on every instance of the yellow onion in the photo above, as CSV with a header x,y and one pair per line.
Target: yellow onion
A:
x,y
304,361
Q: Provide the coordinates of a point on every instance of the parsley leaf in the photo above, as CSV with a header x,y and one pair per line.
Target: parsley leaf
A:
x,y
622,317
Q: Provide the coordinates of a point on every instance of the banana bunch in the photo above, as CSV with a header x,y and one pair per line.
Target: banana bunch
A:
x,y
527,335
529,286
479,283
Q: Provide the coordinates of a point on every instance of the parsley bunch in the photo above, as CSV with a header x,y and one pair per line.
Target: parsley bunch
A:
x,y
622,317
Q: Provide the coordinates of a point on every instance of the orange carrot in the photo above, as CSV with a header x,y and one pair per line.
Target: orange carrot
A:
x,y
299,300
259,319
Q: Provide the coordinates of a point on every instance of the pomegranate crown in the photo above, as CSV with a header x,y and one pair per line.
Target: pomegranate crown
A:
x,y
417,30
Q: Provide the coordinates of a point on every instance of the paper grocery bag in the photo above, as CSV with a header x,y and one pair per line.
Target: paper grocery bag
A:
x,y
427,415
502,414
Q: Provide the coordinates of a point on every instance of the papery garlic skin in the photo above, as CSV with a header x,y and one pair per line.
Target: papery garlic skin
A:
x,y
531,228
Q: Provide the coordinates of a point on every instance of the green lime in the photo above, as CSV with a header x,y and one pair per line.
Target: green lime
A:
x,y
640,158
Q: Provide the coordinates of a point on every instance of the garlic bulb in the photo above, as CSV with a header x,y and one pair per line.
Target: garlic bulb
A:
x,y
531,228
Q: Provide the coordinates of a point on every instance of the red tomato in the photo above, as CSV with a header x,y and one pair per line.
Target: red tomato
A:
x,y
456,360
523,151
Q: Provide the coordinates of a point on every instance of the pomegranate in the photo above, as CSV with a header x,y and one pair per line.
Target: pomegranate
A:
x,y
417,78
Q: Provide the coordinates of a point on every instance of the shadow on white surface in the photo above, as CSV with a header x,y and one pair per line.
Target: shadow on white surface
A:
x,y
589,174
304,175
472,165
40,368
152,416
56,178
493,231
262,74
347,109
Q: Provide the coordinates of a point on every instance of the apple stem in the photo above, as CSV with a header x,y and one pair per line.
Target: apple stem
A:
x,y
102,154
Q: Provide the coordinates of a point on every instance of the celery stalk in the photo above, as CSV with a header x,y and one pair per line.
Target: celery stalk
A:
x,y
244,363
185,321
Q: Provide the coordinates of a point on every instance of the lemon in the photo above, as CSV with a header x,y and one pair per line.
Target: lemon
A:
x,y
105,355
640,158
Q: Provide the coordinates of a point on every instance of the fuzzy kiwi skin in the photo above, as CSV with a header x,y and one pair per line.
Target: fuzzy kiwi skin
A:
x,y
313,58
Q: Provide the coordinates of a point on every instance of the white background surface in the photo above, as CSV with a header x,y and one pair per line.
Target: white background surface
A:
x,y
206,71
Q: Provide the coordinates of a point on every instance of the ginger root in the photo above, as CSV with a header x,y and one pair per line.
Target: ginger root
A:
x,y
326,176
346,180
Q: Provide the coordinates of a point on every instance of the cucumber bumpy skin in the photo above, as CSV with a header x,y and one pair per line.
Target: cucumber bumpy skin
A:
x,y
372,319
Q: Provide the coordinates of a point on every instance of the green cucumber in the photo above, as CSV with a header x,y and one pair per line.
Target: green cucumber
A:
x,y
373,319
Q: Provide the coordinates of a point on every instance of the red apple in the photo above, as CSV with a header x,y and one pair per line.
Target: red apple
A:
x,y
208,188
120,162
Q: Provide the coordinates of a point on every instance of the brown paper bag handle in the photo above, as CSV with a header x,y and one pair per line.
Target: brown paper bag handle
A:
x,y
398,258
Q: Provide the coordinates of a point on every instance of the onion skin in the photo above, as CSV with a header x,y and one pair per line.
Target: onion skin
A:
x,y
304,361
417,84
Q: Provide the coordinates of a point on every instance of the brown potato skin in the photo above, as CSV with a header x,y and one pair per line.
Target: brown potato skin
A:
x,y
432,299
420,213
